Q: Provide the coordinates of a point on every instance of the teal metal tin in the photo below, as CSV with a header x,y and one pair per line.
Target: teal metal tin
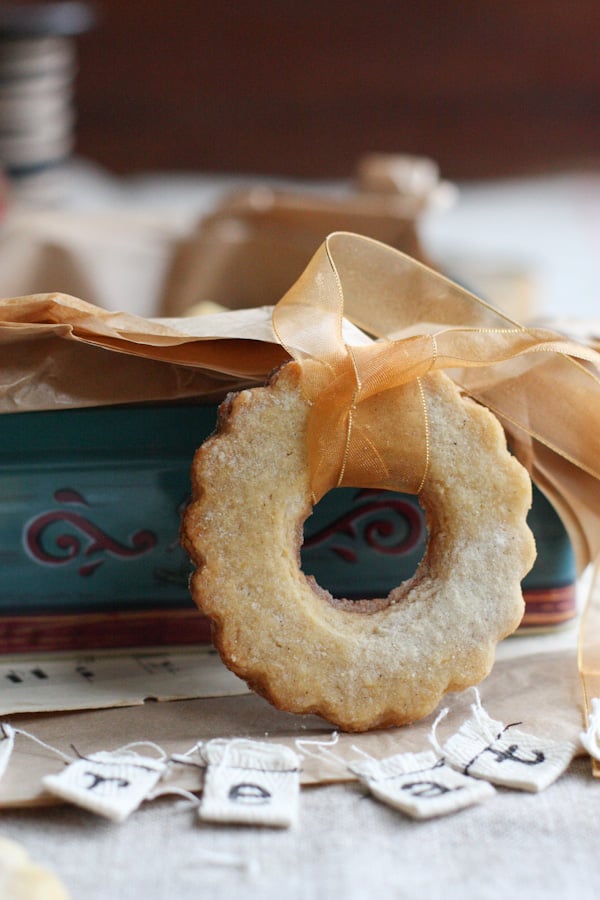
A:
x,y
91,501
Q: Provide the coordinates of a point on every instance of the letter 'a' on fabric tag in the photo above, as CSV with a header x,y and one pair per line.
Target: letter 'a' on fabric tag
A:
x,y
250,782
111,784
485,748
420,784
7,742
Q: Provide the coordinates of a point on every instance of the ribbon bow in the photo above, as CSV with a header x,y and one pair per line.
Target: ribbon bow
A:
x,y
544,388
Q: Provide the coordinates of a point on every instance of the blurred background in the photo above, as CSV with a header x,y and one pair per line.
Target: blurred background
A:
x,y
158,108
302,87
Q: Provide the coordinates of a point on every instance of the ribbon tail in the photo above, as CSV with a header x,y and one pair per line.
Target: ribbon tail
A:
x,y
589,666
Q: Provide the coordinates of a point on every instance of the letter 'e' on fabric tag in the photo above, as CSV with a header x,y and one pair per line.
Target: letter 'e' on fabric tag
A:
x,y
250,782
7,742
485,748
111,784
420,784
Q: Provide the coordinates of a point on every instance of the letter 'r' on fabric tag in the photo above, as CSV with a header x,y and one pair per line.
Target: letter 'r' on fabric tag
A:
x,y
420,784
7,742
250,782
112,785
485,748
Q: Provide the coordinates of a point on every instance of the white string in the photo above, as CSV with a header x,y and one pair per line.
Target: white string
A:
x,y
125,750
483,720
433,733
36,740
183,759
322,746
300,742
197,746
363,753
179,791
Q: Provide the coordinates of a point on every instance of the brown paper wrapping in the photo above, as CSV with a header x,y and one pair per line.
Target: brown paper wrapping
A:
x,y
58,351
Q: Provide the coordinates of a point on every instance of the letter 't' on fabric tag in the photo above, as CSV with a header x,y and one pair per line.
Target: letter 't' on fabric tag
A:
x,y
485,748
7,742
420,784
112,785
250,782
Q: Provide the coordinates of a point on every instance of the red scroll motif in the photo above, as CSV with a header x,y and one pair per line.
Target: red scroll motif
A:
x,y
374,522
70,546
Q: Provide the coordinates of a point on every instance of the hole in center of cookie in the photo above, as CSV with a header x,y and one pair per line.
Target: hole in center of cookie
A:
x,y
360,544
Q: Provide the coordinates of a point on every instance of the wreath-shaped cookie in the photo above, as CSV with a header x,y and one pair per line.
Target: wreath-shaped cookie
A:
x,y
370,663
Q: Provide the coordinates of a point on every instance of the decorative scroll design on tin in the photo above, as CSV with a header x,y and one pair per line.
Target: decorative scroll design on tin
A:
x,y
387,523
67,546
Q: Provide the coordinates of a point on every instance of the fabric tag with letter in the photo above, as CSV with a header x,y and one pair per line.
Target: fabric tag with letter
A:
x,y
421,785
111,784
485,748
250,782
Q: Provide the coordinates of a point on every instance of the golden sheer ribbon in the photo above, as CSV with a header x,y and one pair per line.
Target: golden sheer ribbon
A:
x,y
545,389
